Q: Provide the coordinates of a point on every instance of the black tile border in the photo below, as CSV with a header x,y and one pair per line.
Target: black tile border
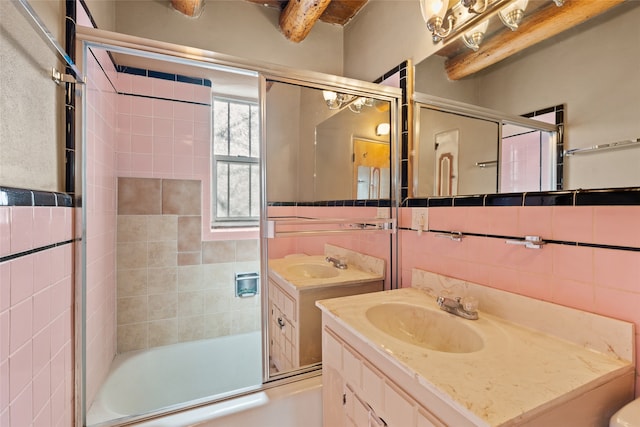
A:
x,y
10,196
35,250
163,76
628,196
376,203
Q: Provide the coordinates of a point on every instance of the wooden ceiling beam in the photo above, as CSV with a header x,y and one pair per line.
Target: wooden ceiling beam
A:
x,y
190,8
550,21
297,19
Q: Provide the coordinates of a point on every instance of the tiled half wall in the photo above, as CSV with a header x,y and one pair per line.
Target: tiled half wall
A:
x,y
172,285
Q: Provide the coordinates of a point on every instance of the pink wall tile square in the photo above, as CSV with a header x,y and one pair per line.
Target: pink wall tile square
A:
x,y
202,94
21,410
447,219
141,144
183,147
21,278
41,226
183,111
184,91
123,142
141,85
4,390
162,145
123,162
202,132
58,329
535,286
21,324
571,293
5,285
5,230
141,106
41,349
535,221
617,225
142,164
162,88
573,262
183,130
124,83
618,304
163,108
21,229
201,167
202,114
5,336
162,127
41,270
41,310
478,219
141,125
503,220
59,224
201,149
59,258
123,123
617,269
20,370
162,164
41,389
123,104
573,223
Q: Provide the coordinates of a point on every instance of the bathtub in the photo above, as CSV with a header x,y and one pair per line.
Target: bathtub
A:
x,y
143,382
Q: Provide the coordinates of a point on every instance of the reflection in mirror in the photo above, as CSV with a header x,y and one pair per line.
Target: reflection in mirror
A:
x,y
600,116
461,149
328,183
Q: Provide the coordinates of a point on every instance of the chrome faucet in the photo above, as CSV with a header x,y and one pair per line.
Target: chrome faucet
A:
x,y
337,263
467,308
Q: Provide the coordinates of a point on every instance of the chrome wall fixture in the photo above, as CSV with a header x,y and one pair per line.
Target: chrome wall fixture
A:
x,y
447,19
337,101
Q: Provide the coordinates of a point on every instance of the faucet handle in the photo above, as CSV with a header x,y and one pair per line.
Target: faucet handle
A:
x,y
470,304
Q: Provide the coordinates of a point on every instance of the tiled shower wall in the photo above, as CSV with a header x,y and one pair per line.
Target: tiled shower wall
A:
x,y
584,270
172,286
36,316
100,207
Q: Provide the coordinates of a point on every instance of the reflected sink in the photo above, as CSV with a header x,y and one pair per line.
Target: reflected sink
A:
x,y
313,271
425,328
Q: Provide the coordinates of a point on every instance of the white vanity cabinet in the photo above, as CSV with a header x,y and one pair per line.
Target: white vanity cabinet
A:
x,y
295,321
356,394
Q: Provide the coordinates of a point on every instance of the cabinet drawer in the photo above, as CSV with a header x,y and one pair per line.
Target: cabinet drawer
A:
x,y
351,368
331,351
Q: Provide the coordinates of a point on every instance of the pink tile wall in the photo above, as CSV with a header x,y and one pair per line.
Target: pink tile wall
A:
x,y
603,281
100,208
36,318
166,138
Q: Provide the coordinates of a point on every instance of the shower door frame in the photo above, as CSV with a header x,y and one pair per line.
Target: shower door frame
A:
x,y
91,37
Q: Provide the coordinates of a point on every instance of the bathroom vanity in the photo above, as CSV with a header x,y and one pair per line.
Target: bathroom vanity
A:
x,y
425,367
295,283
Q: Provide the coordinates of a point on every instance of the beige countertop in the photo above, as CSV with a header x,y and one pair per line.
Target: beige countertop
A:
x,y
518,373
280,270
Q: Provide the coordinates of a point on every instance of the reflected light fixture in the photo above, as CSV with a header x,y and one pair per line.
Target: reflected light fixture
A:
x,y
383,129
335,100
512,14
433,13
473,37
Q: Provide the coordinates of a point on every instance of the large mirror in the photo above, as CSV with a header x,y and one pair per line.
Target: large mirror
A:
x,y
587,71
461,149
328,181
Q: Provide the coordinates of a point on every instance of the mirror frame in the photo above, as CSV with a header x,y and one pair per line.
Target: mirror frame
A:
x,y
420,100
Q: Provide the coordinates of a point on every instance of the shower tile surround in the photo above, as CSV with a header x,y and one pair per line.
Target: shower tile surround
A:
x,y
172,286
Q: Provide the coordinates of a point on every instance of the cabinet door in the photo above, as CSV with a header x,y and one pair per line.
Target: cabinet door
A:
x,y
426,419
333,398
399,407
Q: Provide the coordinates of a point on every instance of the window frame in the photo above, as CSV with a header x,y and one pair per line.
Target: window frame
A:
x,y
232,221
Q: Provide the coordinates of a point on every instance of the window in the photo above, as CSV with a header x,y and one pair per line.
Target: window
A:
x,y
236,167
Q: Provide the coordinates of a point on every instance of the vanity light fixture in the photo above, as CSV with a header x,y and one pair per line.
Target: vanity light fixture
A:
x,y
433,13
383,129
511,16
473,37
476,6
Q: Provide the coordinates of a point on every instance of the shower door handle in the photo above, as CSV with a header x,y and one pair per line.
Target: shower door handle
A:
x,y
280,322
